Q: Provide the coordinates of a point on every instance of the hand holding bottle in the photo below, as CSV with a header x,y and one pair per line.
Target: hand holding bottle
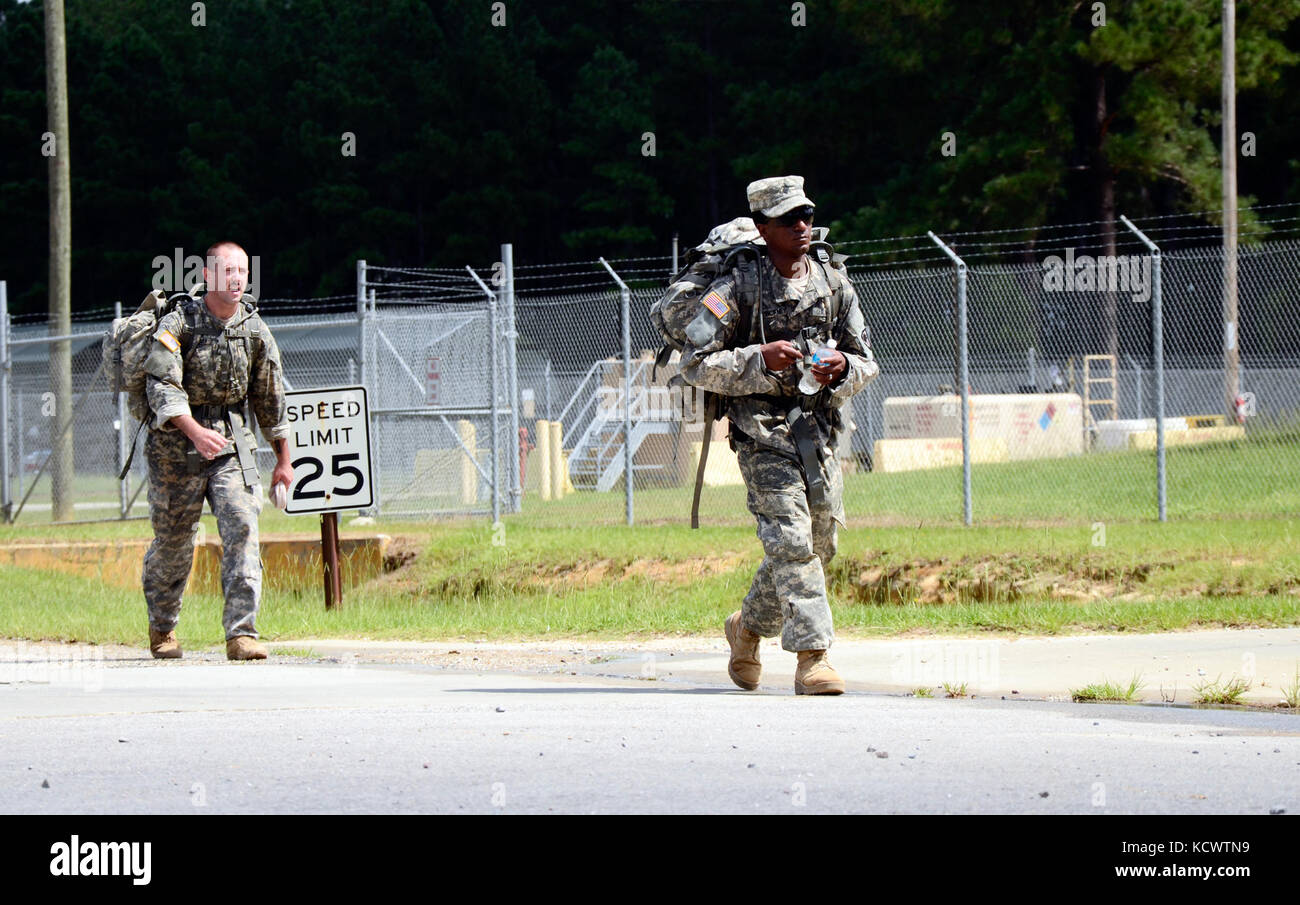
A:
x,y
818,368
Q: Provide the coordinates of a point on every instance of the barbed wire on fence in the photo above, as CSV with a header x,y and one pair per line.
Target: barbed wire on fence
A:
x,y
423,348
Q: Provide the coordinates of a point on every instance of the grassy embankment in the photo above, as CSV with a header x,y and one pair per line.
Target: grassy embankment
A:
x,y
1058,546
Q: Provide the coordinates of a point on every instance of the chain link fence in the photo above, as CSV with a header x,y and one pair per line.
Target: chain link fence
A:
x,y
418,349
512,388
437,371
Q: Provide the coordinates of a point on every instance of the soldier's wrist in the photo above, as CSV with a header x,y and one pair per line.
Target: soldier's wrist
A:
x,y
183,423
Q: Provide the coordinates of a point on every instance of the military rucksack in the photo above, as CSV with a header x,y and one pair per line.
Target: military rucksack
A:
x,y
129,341
734,247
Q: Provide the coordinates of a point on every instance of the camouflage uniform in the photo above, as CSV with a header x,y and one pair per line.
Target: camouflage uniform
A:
x,y
788,595
197,366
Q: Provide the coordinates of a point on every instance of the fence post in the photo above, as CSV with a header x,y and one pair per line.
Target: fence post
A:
x,y
124,483
492,390
361,319
1137,374
625,297
365,305
6,491
512,369
1158,353
19,452
963,376
370,361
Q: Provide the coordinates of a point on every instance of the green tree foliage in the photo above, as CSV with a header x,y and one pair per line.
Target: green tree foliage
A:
x,y
467,135
1063,111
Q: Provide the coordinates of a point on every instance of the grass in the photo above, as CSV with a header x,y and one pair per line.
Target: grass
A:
x,y
954,691
1214,481
1219,480
922,692
1220,692
556,569
304,652
1107,691
1291,691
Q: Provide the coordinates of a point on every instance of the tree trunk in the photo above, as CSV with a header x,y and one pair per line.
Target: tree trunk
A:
x,y
1105,210
1231,327
60,323
710,87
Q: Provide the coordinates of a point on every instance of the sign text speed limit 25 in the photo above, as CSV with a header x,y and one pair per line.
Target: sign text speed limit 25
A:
x,y
329,447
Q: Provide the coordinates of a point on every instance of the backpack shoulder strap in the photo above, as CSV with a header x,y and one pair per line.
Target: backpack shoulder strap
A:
x,y
743,262
183,302
835,278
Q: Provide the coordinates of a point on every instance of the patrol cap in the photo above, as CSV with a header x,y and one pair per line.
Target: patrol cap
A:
x,y
777,195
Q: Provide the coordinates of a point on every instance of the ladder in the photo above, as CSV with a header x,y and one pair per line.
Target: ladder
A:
x,y
1109,378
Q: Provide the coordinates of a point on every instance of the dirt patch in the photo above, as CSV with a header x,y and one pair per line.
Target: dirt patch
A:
x,y
870,578
658,570
585,573
581,574
1001,578
400,553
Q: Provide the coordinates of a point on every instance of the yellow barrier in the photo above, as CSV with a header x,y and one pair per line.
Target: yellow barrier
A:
x,y
287,563
1193,436
558,466
468,473
935,452
545,481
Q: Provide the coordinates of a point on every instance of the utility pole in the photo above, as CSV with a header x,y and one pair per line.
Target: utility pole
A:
x,y
1231,333
60,323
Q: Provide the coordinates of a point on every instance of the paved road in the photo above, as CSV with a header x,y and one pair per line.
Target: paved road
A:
x,y
296,735
1169,664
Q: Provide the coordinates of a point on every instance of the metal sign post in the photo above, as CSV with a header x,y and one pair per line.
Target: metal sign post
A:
x,y
329,546
329,448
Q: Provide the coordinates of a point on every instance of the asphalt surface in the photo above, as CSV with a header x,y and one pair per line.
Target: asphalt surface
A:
x,y
88,735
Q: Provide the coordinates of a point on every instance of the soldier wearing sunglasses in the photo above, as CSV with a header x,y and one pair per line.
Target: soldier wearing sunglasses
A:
x,y
784,438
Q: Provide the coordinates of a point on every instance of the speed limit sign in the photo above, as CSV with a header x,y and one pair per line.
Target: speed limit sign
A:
x,y
329,448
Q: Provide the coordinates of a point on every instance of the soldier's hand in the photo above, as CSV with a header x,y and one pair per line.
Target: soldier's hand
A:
x,y
283,474
209,443
832,366
780,355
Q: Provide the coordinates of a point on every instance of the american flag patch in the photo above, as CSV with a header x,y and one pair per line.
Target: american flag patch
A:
x,y
166,338
714,303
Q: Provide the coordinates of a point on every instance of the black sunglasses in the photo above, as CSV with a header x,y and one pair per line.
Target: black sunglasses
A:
x,y
804,214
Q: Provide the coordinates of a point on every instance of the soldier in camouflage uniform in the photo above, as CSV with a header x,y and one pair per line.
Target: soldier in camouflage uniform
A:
x,y
798,510
210,355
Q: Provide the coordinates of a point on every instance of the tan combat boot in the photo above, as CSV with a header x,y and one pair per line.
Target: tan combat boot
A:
x,y
243,647
164,646
743,667
815,675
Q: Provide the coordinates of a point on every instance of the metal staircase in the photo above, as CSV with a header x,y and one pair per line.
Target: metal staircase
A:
x,y
597,459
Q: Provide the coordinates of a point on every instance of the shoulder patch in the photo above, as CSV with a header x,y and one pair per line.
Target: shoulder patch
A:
x,y
167,339
716,304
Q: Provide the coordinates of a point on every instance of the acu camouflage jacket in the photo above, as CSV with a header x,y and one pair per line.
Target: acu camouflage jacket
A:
x,y
197,360
716,360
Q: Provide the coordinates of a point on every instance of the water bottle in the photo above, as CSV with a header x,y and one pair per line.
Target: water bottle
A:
x,y
808,384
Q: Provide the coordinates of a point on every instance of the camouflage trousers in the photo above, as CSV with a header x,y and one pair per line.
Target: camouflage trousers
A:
x,y
788,596
175,504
